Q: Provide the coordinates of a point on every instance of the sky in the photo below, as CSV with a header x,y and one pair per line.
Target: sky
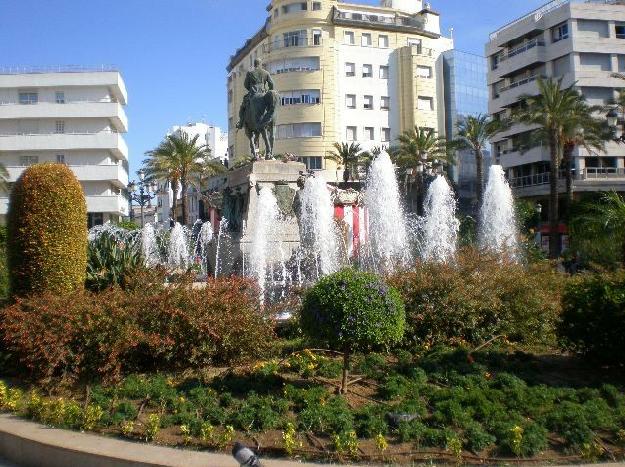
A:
x,y
173,53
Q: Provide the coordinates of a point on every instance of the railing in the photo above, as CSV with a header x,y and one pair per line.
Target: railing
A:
x,y
530,180
5,135
300,41
378,20
602,173
524,48
548,7
20,70
109,101
589,173
521,82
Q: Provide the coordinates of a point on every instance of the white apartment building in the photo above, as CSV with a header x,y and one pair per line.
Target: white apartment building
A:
x,y
581,42
70,116
209,135
346,72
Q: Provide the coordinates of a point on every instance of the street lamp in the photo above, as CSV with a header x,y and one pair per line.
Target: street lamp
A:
x,y
612,118
147,192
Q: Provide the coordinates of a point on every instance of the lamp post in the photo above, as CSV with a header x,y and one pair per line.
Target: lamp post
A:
x,y
147,191
613,121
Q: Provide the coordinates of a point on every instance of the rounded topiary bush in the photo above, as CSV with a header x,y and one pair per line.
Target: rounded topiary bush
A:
x,y
352,310
47,231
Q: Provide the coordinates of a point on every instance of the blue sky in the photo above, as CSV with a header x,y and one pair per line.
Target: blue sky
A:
x,y
173,53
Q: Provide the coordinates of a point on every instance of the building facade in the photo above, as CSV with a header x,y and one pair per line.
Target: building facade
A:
x,y
466,94
583,44
69,116
209,135
346,72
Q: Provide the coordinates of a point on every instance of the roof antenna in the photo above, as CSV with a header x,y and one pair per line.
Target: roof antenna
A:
x,y
451,33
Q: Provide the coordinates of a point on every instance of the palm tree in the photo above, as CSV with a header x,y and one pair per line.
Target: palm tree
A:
x,y
474,132
554,111
180,160
349,156
602,224
4,179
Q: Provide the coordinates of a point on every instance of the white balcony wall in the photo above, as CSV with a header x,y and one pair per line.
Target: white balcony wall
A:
x,y
107,203
46,142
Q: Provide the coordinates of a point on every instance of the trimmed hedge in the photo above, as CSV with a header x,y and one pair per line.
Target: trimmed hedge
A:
x,y
593,319
47,231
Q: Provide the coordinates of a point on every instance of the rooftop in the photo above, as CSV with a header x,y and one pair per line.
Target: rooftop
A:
x,y
23,70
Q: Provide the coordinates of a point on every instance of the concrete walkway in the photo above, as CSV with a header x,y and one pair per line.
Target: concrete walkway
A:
x,y
29,444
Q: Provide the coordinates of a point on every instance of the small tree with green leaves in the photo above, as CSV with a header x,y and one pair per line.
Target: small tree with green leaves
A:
x,y
353,310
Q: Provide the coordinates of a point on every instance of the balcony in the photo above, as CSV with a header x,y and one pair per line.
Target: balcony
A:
x,y
510,94
115,204
111,141
80,109
115,174
393,23
589,179
528,54
292,43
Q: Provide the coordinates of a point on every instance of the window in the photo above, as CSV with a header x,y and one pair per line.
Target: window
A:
x,y
383,72
25,161
95,218
350,69
620,31
60,158
312,162
383,42
385,103
424,71
368,103
298,130
386,134
276,13
293,65
229,95
350,101
369,133
367,71
295,38
28,98
316,6
59,126
316,37
305,96
59,97
349,37
560,32
366,40
293,7
351,133
425,103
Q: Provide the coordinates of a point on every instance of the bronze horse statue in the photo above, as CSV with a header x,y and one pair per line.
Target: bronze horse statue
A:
x,y
258,110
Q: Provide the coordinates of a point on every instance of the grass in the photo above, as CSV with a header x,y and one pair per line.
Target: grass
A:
x,y
443,404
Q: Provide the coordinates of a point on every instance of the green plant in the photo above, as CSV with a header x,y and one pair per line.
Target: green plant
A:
x,y
593,320
225,437
111,261
345,443
47,231
454,445
381,444
352,310
289,439
152,427
207,433
185,431
92,416
127,428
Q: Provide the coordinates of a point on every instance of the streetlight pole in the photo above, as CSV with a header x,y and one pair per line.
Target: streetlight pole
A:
x,y
147,192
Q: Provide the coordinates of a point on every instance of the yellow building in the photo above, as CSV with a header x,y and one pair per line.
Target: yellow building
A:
x,y
345,72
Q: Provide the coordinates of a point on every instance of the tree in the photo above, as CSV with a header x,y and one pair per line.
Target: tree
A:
x,y
474,133
181,161
4,179
554,111
600,226
349,156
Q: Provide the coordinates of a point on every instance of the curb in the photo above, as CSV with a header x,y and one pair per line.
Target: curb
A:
x,y
30,444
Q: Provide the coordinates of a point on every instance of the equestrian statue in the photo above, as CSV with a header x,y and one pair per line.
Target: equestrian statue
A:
x,y
258,110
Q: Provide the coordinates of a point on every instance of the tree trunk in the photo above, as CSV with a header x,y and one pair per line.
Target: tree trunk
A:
x,y
554,244
568,169
174,204
479,163
345,371
185,213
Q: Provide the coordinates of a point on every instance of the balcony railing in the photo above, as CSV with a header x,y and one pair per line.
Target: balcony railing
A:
x,y
521,82
589,173
21,70
522,49
52,133
295,42
378,20
106,101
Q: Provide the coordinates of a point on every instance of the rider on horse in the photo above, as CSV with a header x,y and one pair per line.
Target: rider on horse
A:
x,y
257,81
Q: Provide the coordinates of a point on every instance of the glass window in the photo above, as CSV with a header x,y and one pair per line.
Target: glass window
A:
x,y
368,103
27,98
299,130
60,158
312,162
383,72
304,96
349,37
316,37
424,71
350,69
386,134
366,40
560,32
59,97
295,38
383,42
25,161
369,133
293,65
59,126
351,133
620,31
316,6
350,101
425,103
367,71
385,103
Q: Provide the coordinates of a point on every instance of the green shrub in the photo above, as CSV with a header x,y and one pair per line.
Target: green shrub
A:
x,y
477,298
593,319
110,262
4,273
104,335
47,231
352,310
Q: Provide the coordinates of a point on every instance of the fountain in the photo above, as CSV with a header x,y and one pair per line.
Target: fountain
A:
x,y
440,226
178,249
387,225
149,246
205,236
318,231
498,230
